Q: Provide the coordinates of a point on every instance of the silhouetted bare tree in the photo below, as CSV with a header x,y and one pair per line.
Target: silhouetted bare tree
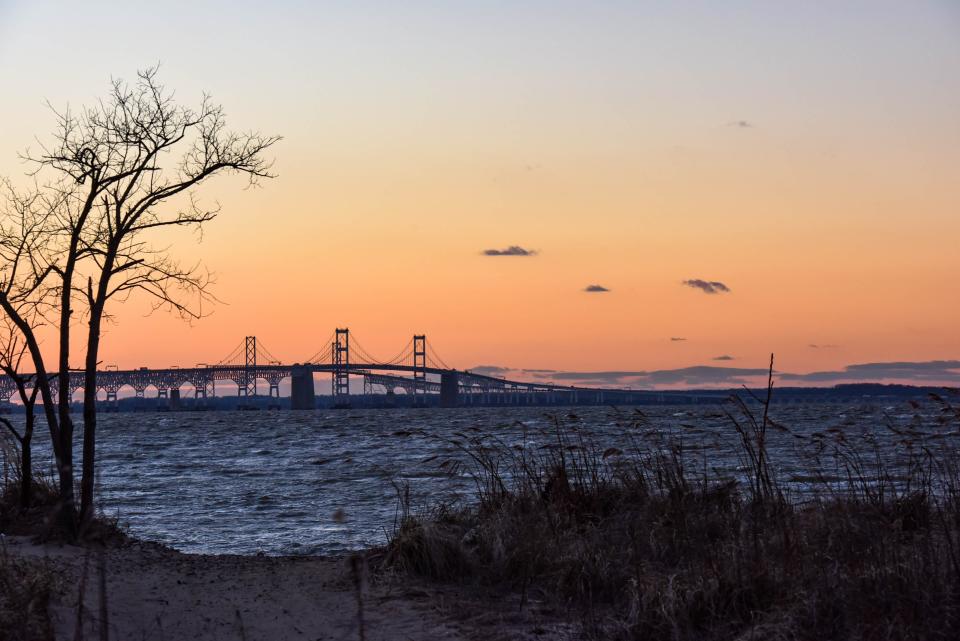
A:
x,y
12,351
117,171
26,242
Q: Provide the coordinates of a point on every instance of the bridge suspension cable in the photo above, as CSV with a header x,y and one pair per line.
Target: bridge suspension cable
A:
x,y
267,356
323,356
434,359
236,357
396,360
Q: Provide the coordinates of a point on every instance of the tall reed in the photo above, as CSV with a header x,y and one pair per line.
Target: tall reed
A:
x,y
641,542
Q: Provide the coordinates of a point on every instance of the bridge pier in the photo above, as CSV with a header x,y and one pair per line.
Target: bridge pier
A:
x,y
449,389
302,394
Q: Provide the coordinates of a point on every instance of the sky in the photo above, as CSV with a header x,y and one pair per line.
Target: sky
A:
x,y
627,193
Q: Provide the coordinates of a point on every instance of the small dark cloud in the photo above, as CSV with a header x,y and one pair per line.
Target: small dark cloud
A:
x,y
724,357
595,288
741,124
815,346
707,286
512,250
677,339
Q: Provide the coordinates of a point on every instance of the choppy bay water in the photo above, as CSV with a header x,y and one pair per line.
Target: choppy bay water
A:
x,y
323,482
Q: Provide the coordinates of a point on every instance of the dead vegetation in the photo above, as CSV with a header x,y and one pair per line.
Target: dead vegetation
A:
x,y
25,590
635,544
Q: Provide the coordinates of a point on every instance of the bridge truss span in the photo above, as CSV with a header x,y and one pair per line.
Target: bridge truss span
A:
x,y
416,369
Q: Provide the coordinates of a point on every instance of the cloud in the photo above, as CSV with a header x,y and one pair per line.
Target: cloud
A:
x,y
932,372
491,370
707,286
677,339
815,346
512,250
699,375
741,124
595,288
723,358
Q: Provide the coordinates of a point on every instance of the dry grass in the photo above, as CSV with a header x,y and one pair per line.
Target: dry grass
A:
x,y
25,590
39,520
637,546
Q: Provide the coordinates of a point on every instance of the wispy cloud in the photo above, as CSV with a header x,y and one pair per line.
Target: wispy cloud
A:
x,y
595,288
741,124
512,250
933,373
491,370
724,357
919,372
677,339
698,375
815,346
707,286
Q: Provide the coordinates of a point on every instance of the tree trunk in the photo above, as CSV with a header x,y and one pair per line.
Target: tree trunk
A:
x,y
68,515
90,404
26,461
41,379
89,426
67,497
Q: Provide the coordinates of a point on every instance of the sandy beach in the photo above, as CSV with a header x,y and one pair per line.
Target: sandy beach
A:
x,y
157,594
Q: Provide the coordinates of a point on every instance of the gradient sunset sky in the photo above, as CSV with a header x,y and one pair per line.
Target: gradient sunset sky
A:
x,y
803,156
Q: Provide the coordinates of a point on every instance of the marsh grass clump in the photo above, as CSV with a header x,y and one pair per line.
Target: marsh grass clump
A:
x,y
26,587
39,519
426,544
636,543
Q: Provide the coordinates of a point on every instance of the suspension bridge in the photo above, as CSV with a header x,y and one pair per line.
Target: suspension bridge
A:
x,y
417,370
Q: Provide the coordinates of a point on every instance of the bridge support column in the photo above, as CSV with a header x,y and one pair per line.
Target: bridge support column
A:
x,y
174,401
340,356
449,389
302,394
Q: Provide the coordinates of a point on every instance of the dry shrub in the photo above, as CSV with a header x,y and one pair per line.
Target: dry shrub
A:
x,y
38,518
638,548
25,590
426,545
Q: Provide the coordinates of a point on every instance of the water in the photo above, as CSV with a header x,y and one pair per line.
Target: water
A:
x,y
323,482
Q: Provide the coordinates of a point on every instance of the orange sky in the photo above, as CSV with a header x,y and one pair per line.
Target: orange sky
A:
x,y
607,138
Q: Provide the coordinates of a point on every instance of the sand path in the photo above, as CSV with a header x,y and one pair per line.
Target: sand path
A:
x,y
154,593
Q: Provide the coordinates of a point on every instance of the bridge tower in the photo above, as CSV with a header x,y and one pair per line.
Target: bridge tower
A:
x,y
249,386
419,368
340,355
